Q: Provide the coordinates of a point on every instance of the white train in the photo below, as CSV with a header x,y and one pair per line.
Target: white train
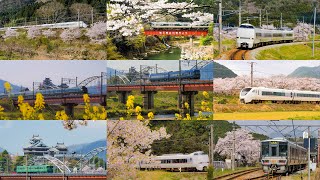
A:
x,y
261,94
250,37
76,24
279,155
198,161
177,25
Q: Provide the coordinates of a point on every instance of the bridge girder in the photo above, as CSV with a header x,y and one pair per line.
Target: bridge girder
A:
x,y
86,158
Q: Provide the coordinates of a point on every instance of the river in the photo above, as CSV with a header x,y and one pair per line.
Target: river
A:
x,y
173,53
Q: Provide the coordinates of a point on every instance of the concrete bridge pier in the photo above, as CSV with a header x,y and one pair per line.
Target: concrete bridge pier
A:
x,y
123,96
148,99
69,109
188,96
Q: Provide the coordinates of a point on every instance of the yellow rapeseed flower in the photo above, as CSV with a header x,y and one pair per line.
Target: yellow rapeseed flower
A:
x,y
205,94
86,98
150,115
39,103
7,86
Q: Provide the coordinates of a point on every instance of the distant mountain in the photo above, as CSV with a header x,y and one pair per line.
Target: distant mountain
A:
x,y
312,72
87,147
1,149
15,88
221,71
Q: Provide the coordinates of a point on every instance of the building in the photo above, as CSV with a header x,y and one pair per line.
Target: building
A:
x,y
36,147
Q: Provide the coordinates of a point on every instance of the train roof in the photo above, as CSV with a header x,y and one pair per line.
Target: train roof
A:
x,y
278,89
280,139
259,29
178,155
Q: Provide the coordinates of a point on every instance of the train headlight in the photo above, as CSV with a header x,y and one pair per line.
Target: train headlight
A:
x,y
282,161
265,161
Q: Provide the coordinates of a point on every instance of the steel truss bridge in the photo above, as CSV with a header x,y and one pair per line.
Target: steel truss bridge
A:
x,y
62,166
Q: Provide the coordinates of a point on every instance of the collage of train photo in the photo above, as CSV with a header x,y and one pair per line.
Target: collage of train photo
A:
x,y
159,89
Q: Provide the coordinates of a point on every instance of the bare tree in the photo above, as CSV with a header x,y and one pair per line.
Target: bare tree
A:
x,y
52,10
84,10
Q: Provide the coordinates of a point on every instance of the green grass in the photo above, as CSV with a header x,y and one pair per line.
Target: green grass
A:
x,y
21,48
290,52
165,102
164,175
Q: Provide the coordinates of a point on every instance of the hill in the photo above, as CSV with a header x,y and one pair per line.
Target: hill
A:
x,y
311,72
15,88
190,136
221,71
87,147
17,12
1,149
290,9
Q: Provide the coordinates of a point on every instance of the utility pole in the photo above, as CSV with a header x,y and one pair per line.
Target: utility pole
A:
x,y
239,13
78,18
180,87
92,17
27,167
212,144
260,18
281,21
233,147
303,28
220,27
267,19
314,27
251,73
308,152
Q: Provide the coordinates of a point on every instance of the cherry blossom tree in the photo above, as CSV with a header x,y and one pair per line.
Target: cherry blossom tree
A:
x,y
10,33
129,143
98,31
70,34
228,85
247,149
127,17
49,33
33,32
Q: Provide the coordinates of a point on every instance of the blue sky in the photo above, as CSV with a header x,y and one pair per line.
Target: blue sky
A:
x,y
25,72
267,68
15,134
170,65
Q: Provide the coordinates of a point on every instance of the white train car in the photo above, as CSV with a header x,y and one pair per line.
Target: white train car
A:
x,y
262,94
198,161
250,37
279,155
177,25
65,25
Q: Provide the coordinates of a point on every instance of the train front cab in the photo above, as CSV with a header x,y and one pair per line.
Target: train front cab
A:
x,y
245,36
274,156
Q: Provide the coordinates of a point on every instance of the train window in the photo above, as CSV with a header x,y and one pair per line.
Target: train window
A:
x,y
246,26
245,91
265,149
258,34
283,149
273,151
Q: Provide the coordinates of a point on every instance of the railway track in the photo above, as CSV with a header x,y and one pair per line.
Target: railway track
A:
x,y
239,54
265,177
237,174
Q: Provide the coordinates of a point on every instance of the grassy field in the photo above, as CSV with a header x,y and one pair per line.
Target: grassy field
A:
x,y
290,52
287,115
227,107
165,102
164,175
21,48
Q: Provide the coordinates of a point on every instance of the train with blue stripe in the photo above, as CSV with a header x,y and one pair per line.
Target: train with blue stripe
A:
x,y
48,93
175,75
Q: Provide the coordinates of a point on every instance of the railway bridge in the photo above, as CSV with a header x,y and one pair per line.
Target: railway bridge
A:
x,y
188,91
56,176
